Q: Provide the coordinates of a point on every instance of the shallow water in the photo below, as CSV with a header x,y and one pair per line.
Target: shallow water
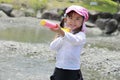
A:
x,y
25,34
25,55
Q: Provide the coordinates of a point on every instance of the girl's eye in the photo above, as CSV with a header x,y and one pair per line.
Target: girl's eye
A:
x,y
70,17
78,19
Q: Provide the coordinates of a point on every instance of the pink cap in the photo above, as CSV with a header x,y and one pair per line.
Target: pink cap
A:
x,y
80,10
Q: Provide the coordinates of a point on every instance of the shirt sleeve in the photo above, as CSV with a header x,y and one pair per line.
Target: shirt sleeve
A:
x,y
56,44
75,39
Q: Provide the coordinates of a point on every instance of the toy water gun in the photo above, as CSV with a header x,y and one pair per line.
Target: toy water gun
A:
x,y
49,24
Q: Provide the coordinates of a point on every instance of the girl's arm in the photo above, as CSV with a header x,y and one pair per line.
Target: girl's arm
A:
x,y
75,39
56,43
58,30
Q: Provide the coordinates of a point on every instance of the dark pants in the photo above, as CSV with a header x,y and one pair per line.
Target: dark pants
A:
x,y
63,74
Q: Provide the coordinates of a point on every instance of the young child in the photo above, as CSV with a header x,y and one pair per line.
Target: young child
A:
x,y
68,45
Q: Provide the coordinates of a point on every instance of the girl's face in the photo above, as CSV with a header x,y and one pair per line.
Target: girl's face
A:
x,y
74,20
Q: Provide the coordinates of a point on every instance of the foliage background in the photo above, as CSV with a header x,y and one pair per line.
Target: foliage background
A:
x,y
102,5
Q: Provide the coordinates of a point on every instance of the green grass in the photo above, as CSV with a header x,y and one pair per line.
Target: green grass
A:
x,y
103,5
35,4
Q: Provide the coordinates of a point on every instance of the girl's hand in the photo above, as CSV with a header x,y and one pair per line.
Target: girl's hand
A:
x,y
58,30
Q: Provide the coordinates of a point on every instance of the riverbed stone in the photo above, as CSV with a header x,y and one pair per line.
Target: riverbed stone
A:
x,y
119,27
100,23
17,13
117,16
2,14
105,15
7,8
111,26
93,16
52,15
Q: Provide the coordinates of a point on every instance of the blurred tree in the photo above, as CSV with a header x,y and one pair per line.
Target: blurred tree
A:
x,y
118,2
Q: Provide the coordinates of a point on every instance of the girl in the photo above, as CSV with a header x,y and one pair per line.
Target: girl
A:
x,y
68,45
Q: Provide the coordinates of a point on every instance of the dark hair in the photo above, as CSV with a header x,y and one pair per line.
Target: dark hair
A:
x,y
70,14
62,23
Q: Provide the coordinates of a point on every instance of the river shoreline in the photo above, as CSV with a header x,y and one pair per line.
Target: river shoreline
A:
x,y
101,55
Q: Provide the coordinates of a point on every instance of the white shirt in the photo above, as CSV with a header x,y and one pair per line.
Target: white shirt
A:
x,y
68,50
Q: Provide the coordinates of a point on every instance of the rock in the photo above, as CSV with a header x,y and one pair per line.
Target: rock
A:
x,y
2,14
30,12
117,16
105,15
108,26
7,8
17,13
93,16
119,27
53,15
111,26
100,23
89,24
